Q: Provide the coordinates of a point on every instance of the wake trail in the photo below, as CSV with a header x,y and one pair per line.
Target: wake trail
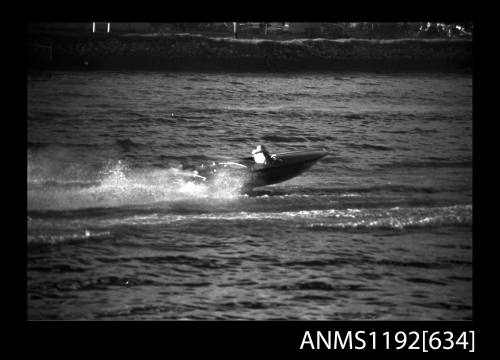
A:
x,y
117,185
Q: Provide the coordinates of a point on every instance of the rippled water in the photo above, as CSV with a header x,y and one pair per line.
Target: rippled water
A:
x,y
379,229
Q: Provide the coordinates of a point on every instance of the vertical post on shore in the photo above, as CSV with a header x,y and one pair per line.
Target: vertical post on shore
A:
x,y
93,27
235,29
109,26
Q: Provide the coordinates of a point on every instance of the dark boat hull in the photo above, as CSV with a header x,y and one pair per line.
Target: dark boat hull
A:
x,y
284,167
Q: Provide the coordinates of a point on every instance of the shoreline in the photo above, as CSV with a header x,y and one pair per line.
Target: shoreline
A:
x,y
185,52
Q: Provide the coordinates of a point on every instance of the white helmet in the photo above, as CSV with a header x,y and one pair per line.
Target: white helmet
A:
x,y
259,149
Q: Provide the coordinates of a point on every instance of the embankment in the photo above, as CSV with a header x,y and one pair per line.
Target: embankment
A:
x,y
199,53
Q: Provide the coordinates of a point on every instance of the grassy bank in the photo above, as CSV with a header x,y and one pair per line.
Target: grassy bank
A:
x,y
199,53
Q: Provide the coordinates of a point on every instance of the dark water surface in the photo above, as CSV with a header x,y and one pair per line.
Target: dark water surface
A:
x,y
380,229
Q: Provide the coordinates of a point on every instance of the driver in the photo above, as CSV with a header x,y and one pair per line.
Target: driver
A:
x,y
261,155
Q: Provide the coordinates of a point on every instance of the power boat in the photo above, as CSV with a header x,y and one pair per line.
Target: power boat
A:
x,y
283,167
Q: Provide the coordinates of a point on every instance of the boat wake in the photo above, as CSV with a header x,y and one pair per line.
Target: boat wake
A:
x,y
117,185
62,230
